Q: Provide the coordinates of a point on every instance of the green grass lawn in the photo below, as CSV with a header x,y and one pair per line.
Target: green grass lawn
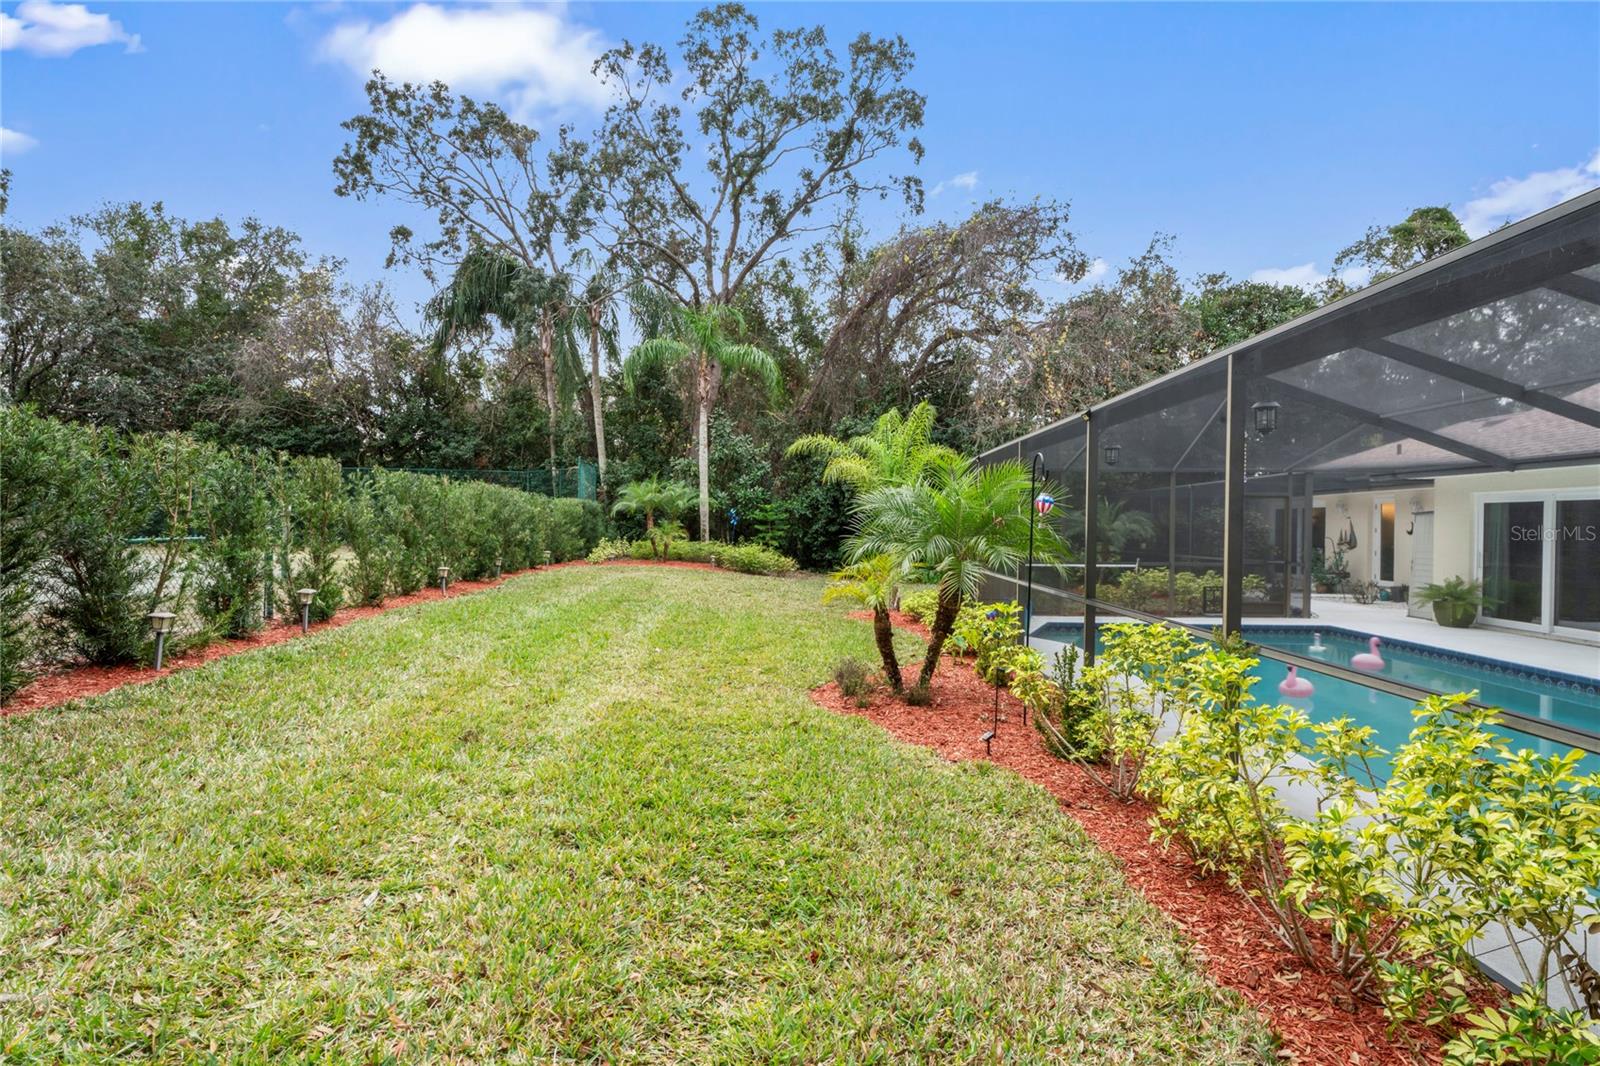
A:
x,y
590,816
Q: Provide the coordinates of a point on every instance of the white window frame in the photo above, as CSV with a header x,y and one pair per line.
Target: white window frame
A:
x,y
1547,563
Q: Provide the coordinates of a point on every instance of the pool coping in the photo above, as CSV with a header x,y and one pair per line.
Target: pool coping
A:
x,y
1586,686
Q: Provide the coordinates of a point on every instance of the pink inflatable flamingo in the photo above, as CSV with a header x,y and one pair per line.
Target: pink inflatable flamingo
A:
x,y
1368,660
1294,685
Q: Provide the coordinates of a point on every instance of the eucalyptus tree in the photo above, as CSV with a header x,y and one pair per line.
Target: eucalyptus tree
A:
x,y
785,132
700,341
957,522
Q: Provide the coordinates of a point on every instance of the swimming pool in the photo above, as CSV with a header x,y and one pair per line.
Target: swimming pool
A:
x,y
1559,698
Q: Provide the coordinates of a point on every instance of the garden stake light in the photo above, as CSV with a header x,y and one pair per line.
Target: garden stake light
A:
x,y
305,596
444,581
160,625
499,566
548,556
1043,502
987,738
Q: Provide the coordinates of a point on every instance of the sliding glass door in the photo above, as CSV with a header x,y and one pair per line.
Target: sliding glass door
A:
x,y
1539,561
1577,565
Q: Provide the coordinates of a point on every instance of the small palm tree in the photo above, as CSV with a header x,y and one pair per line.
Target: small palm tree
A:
x,y
873,583
895,452
958,522
699,339
1116,527
652,497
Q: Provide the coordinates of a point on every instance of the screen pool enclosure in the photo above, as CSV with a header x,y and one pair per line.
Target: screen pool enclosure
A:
x,y
1486,359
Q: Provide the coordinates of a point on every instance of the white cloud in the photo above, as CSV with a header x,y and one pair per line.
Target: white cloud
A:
x,y
14,143
47,29
967,181
1306,276
1098,269
535,58
1511,199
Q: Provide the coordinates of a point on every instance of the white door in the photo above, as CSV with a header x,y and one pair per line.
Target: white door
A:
x,y
1421,561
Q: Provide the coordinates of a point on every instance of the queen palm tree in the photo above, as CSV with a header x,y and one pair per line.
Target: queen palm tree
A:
x,y
959,521
895,452
700,339
872,582
653,496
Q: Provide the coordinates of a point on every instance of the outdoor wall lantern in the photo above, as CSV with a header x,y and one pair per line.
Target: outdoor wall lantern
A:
x,y
1266,416
305,596
444,580
1113,453
160,625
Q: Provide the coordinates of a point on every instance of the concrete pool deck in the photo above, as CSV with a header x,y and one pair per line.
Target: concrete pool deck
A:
x,y
1389,621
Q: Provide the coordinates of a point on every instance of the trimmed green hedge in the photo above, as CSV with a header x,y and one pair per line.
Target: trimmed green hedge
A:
x,y
99,529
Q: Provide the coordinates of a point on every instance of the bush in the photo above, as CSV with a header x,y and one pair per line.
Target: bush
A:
x,y
32,455
921,605
99,581
853,677
754,559
572,527
235,517
1138,589
1063,707
371,533
315,492
609,549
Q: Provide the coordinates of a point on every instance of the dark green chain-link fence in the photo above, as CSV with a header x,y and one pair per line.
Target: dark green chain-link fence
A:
x,y
579,481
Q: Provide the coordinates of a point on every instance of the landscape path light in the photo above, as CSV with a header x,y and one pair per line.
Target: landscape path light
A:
x,y
160,625
444,580
499,567
305,596
548,557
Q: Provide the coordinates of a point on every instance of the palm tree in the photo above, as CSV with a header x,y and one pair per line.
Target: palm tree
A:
x,y
872,582
958,522
895,452
1115,527
600,322
653,496
537,308
700,340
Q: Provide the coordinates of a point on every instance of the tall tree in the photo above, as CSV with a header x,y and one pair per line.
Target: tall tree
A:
x,y
1227,312
1383,251
602,326
903,311
536,308
701,341
784,131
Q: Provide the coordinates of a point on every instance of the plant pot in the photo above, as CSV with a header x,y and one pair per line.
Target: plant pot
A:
x,y
1455,615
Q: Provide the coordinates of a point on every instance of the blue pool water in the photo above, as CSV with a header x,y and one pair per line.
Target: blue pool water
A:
x,y
1556,698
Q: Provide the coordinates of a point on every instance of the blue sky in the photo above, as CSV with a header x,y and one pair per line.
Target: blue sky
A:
x,y
1262,136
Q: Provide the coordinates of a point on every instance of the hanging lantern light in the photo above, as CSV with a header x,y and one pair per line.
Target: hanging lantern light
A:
x,y
1266,414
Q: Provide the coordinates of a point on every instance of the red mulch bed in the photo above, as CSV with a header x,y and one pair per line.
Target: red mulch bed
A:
x,y
77,682
1320,1022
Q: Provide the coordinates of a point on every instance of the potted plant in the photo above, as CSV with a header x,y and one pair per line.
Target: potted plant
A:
x,y
1455,601
1329,572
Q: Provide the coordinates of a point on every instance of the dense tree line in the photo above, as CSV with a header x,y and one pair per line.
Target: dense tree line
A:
x,y
723,186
